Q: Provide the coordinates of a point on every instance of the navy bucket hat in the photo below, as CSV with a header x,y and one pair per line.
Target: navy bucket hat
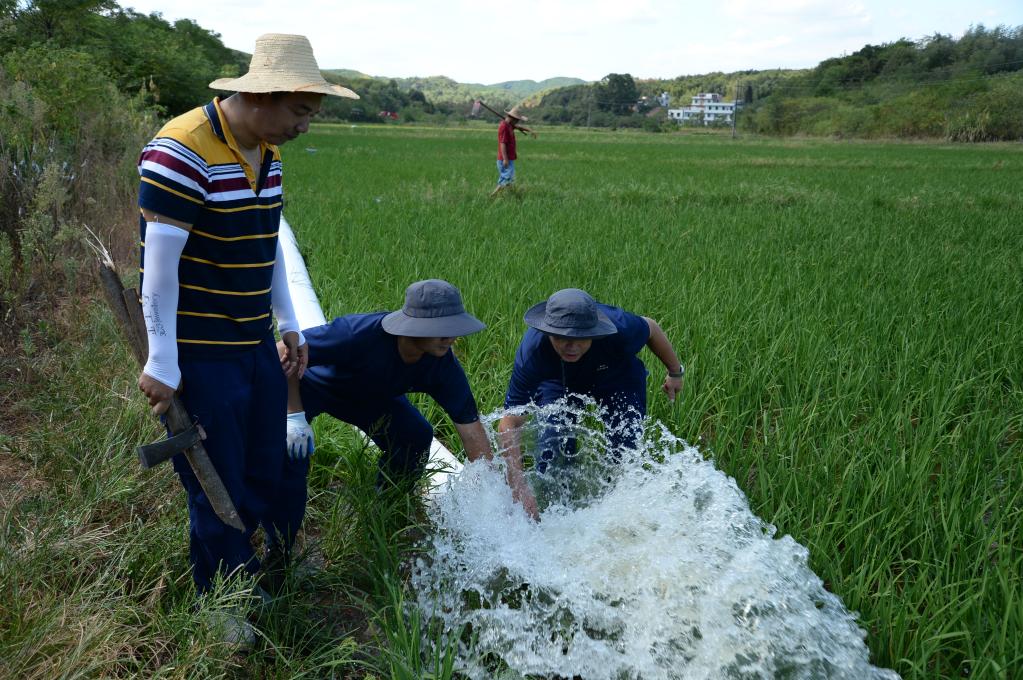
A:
x,y
433,309
570,313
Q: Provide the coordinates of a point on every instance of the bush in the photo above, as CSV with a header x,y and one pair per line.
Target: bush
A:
x,y
68,144
654,124
993,116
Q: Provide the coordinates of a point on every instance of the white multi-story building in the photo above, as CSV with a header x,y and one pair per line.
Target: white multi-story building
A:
x,y
706,107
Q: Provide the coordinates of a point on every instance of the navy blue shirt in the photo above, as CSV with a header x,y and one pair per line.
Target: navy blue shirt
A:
x,y
353,356
610,362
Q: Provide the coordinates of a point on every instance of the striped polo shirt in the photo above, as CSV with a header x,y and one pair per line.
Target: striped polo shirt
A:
x,y
193,171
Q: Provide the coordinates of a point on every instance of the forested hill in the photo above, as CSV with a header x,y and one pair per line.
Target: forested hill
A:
x,y
70,48
965,89
524,88
445,92
444,89
961,89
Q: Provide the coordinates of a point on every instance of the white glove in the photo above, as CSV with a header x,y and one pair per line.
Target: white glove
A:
x,y
300,436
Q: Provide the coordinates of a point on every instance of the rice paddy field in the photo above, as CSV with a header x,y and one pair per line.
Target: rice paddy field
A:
x,y
849,315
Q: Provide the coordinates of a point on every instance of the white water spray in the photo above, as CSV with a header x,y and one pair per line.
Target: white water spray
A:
x,y
652,567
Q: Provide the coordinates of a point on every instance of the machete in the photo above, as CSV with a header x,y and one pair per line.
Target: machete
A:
x,y
185,435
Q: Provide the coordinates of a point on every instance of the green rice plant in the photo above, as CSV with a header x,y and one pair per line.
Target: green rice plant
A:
x,y
405,658
848,314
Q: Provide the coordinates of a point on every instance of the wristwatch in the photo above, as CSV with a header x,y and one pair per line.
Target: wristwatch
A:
x,y
679,373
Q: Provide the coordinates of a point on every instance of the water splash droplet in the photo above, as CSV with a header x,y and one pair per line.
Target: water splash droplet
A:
x,y
649,567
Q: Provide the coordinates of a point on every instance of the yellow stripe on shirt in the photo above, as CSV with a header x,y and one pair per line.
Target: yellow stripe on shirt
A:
x,y
269,206
228,266
233,238
225,316
219,342
225,292
172,191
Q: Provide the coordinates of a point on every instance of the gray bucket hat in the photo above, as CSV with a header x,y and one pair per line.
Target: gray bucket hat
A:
x,y
570,313
433,309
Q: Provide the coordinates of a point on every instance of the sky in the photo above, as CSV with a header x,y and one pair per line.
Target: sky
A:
x,y
473,41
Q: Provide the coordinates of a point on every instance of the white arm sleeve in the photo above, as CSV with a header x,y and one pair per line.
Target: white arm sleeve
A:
x,y
280,298
164,244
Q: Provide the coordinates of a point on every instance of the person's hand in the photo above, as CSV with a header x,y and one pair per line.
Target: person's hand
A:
x,y
672,387
505,163
300,436
524,495
158,394
294,356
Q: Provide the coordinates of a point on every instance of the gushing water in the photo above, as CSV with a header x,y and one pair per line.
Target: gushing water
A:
x,y
651,566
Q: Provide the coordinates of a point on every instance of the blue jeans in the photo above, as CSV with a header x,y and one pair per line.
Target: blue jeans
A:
x,y
505,175
239,400
624,407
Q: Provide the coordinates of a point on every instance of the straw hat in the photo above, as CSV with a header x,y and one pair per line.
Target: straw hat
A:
x,y
283,63
515,113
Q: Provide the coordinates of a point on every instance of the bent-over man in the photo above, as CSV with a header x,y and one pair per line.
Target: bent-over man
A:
x,y
577,346
361,366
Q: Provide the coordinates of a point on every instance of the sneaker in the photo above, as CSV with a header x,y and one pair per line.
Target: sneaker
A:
x,y
305,568
233,630
277,569
273,571
260,593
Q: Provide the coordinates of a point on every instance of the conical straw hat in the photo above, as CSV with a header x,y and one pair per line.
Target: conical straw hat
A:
x,y
283,63
516,113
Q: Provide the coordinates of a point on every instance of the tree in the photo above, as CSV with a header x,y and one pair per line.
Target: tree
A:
x,y
617,93
67,23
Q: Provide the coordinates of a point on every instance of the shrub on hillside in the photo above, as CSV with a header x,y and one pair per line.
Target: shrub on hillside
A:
x,y
993,115
68,143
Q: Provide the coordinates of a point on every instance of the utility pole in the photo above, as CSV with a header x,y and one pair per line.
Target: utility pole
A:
x,y
735,109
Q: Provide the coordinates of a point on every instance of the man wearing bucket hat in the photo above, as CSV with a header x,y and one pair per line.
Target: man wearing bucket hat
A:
x,y
361,366
506,147
212,274
578,346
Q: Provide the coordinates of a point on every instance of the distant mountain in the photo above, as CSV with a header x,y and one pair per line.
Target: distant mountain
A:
x,y
525,88
347,73
439,89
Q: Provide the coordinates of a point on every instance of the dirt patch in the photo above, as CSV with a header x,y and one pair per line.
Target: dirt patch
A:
x,y
18,480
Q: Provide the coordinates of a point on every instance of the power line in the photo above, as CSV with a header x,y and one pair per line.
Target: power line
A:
x,y
861,83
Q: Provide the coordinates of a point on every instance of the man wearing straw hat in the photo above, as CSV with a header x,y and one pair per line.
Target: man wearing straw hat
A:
x,y
212,274
506,147
578,346
361,366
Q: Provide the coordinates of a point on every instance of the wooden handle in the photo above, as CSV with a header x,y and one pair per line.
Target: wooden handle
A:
x,y
124,304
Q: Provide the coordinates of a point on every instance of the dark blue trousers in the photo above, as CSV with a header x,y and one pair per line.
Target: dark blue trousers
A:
x,y
624,406
240,400
395,425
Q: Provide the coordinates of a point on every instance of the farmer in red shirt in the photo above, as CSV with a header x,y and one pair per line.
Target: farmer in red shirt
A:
x,y
506,147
